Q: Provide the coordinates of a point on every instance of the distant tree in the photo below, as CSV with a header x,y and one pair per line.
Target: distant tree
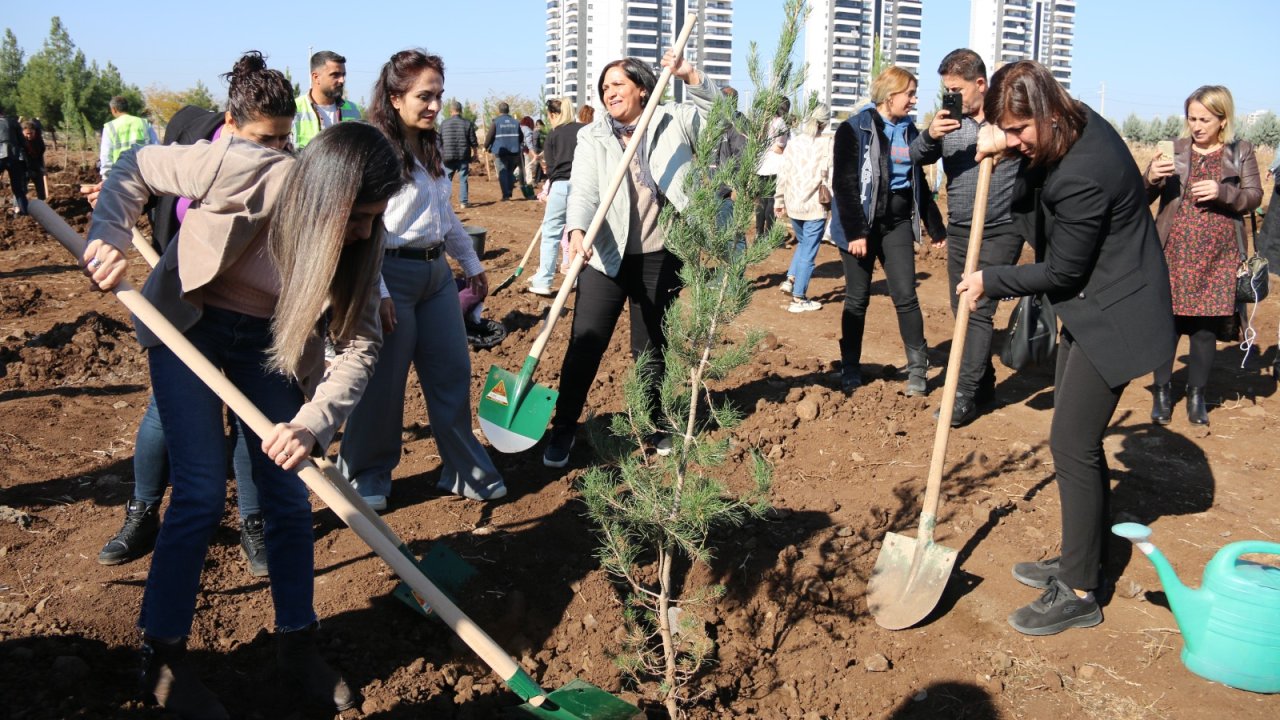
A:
x,y
1153,131
520,106
1133,128
11,59
1172,127
1265,131
199,96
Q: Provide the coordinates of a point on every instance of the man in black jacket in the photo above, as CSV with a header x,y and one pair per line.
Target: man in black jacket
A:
x,y
11,159
458,140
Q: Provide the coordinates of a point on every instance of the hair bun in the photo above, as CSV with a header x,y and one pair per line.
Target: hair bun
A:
x,y
249,63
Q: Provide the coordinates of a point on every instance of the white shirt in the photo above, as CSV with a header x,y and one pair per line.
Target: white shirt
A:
x,y
420,217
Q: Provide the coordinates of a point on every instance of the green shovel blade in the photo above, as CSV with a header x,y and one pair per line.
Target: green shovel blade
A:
x,y
579,700
514,411
446,570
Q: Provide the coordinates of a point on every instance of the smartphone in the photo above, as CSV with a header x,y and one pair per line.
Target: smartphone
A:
x,y
953,103
1165,148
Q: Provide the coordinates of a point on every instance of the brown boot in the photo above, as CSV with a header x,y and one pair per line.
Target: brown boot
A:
x,y
170,681
300,662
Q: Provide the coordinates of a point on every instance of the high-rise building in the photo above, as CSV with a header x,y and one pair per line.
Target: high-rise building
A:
x,y
839,46
1005,31
585,35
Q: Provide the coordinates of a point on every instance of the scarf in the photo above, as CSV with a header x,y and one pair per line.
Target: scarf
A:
x,y
642,151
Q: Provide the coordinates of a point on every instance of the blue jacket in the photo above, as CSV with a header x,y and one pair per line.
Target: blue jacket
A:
x,y
504,136
860,181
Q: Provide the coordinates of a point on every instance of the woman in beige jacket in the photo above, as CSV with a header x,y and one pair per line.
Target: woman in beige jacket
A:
x,y
270,247
804,171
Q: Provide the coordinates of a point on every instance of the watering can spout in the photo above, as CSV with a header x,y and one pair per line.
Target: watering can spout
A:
x,y
1190,607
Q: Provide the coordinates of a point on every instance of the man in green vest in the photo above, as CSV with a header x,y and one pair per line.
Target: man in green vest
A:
x,y
122,132
323,105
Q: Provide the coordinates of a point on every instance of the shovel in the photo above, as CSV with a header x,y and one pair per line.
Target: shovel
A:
x,y
519,268
514,410
576,701
452,573
910,574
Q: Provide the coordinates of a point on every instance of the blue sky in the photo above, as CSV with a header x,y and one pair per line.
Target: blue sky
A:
x,y
1150,53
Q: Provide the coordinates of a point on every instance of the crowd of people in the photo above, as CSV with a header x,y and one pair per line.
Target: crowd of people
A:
x,y
290,223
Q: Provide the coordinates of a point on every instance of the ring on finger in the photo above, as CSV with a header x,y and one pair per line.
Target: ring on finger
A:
x,y
282,457
94,264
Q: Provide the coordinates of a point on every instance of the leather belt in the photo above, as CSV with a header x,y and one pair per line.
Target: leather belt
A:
x,y
424,254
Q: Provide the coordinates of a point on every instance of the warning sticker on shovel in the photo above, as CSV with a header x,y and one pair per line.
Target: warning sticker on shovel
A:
x,y
498,394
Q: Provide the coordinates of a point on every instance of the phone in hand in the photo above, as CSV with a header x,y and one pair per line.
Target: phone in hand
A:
x,y
953,103
1165,148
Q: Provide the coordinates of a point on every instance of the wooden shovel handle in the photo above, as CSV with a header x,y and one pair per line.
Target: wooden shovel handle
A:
x,y
346,505
619,175
929,510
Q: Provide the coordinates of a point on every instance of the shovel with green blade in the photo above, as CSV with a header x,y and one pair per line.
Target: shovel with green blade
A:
x,y
519,268
514,410
576,701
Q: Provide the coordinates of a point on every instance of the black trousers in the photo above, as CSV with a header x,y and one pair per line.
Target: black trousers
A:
x,y
1083,406
1001,245
893,244
649,283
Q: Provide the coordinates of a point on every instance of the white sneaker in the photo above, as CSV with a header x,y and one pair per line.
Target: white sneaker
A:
x,y
800,305
378,503
787,285
543,291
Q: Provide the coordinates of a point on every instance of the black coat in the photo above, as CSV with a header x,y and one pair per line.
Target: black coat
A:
x,y
1103,269
189,125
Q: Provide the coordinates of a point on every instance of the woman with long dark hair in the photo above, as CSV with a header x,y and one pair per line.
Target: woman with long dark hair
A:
x,y
422,318
1105,275
272,249
1206,189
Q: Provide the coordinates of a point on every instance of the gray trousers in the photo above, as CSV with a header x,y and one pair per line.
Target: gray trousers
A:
x,y
430,334
1001,245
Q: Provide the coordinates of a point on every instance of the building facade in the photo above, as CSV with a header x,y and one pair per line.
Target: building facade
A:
x,y
839,46
585,35
1005,31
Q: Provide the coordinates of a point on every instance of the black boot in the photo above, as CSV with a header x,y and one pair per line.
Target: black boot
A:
x,y
917,366
168,680
136,537
301,663
253,544
1197,413
850,376
1162,404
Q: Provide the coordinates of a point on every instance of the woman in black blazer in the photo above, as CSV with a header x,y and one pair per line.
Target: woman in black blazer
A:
x,y
1105,275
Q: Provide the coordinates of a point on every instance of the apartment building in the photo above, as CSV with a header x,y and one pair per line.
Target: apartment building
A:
x,y
585,35
1004,31
839,46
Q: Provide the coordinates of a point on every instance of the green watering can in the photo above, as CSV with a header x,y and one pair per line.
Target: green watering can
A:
x,y
1231,625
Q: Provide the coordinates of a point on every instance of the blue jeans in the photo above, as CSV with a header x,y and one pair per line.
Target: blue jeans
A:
x,y
508,168
151,463
462,169
429,334
237,345
552,229
808,238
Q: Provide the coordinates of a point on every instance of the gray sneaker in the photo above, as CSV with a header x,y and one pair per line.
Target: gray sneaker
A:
x,y
1058,609
1037,574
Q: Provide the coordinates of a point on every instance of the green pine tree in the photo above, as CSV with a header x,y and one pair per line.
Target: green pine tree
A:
x,y
656,514
11,63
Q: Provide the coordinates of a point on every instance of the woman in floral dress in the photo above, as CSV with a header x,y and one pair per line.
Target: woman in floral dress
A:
x,y
1205,190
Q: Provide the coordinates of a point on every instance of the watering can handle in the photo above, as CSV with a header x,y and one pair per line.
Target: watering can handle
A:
x,y
1227,557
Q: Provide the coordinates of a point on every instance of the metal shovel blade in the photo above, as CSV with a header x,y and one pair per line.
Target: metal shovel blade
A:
x,y
579,700
514,411
908,580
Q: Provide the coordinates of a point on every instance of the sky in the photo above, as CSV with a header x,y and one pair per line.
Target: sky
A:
x,y
1150,54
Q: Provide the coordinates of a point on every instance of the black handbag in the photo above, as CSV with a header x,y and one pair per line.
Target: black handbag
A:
x,y
1252,283
1033,334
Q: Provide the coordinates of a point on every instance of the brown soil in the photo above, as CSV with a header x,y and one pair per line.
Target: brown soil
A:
x,y
794,638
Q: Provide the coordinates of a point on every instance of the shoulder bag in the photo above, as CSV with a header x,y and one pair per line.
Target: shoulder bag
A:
x,y
1252,283
1033,334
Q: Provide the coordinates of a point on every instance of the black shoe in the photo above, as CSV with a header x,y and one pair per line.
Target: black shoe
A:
x,y
559,445
963,412
1037,574
850,378
300,663
661,443
136,537
1058,609
253,544
169,681
1197,413
1162,404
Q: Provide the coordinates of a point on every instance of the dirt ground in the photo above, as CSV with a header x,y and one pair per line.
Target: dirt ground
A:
x,y
794,638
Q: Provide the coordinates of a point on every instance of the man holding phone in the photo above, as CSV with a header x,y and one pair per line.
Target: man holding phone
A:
x,y
953,138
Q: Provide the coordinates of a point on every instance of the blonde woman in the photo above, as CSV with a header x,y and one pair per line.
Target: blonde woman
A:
x,y
879,197
558,154
1205,191
805,167
251,301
